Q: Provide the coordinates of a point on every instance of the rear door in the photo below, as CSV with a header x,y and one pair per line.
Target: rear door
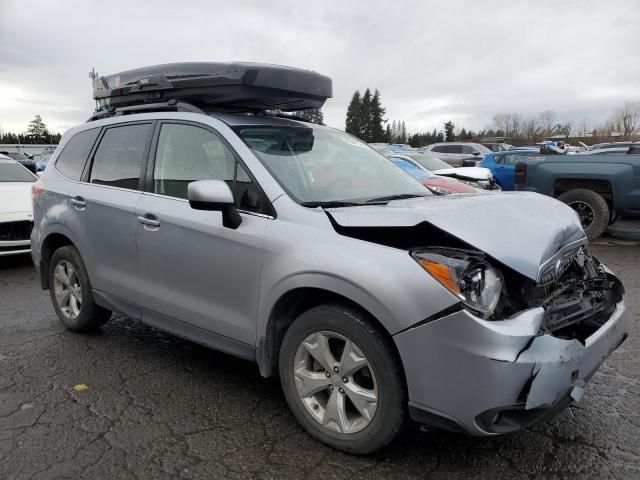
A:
x,y
192,268
103,206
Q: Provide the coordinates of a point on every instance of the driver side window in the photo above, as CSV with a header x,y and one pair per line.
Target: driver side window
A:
x,y
187,153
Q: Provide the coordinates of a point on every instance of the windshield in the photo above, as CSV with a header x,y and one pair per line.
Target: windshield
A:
x,y
319,165
13,172
414,170
431,163
481,148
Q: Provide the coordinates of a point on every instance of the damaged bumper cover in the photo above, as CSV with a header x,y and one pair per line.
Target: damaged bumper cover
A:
x,y
490,377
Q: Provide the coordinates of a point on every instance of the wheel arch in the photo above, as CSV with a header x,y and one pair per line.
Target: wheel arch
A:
x,y
292,304
601,186
52,242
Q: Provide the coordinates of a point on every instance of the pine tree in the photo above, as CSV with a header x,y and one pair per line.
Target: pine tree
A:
x,y
376,119
37,131
448,131
366,131
394,133
353,123
439,137
387,134
403,133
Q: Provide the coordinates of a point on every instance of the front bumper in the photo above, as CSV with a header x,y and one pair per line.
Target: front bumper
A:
x,y
15,247
488,377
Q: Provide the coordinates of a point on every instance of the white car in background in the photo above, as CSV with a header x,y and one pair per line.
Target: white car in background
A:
x,y
16,210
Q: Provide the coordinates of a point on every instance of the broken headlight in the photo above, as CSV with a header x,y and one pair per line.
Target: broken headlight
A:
x,y
464,273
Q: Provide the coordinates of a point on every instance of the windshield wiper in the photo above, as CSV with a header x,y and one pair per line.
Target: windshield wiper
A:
x,y
389,198
331,204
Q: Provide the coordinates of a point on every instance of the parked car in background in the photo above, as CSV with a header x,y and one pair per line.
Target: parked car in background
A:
x,y
480,178
23,159
16,214
458,154
477,177
613,145
503,166
599,187
435,183
42,162
633,148
496,146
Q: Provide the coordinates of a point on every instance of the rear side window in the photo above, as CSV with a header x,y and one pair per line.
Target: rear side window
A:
x,y
119,157
468,149
73,158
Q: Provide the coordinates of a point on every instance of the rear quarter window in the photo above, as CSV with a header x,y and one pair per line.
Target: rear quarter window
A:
x,y
74,155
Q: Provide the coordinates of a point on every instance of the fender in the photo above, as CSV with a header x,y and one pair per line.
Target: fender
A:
x,y
36,252
332,283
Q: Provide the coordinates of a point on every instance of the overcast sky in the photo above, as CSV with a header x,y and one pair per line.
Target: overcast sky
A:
x,y
432,61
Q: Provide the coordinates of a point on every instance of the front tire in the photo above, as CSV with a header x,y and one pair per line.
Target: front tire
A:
x,y
342,379
591,208
71,292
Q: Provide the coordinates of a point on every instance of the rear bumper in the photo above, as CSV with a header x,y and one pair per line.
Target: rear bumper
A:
x,y
485,378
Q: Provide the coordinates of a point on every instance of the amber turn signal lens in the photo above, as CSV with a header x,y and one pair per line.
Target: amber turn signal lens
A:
x,y
442,273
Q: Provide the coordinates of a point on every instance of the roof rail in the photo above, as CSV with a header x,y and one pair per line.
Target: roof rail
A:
x,y
169,106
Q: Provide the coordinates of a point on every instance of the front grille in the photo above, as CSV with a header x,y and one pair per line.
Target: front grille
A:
x,y
15,231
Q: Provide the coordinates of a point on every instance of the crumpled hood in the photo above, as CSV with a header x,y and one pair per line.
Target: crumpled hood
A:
x,y
520,229
466,173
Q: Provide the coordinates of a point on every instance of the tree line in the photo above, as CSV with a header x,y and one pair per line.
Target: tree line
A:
x,y
37,133
365,120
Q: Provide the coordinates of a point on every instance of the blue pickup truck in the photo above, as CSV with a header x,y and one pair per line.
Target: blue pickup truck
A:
x,y
600,187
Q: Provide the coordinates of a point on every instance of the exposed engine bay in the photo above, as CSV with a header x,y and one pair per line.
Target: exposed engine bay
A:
x,y
577,302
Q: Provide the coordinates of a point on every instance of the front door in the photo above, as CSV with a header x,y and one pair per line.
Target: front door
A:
x,y
192,268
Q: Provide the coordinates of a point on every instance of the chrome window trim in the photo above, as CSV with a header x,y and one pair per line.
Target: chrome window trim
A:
x,y
247,212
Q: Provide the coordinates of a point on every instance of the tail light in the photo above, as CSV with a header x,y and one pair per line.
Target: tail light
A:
x,y
521,172
37,189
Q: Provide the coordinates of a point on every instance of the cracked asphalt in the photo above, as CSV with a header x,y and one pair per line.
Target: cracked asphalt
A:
x,y
159,407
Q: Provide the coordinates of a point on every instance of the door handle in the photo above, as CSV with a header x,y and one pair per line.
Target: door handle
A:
x,y
149,221
78,203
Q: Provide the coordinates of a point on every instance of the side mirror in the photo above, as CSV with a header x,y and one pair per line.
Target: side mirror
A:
x,y
475,154
214,195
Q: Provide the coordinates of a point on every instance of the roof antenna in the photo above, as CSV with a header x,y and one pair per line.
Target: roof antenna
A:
x,y
93,74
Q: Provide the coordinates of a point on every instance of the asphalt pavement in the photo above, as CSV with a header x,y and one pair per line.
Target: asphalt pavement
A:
x,y
131,402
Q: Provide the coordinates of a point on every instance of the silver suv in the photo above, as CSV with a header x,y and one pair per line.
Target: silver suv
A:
x,y
458,154
298,247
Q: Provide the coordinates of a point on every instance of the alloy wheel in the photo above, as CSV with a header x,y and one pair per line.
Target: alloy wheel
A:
x,y
335,382
67,289
585,213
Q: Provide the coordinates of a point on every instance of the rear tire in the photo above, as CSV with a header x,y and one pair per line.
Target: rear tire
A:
x,y
592,209
71,292
353,402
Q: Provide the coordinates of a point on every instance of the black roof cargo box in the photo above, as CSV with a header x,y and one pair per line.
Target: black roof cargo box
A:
x,y
237,86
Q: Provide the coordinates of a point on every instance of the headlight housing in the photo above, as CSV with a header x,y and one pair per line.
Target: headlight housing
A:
x,y
466,274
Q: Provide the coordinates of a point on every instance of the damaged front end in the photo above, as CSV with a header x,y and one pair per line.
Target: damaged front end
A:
x,y
576,291
525,362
